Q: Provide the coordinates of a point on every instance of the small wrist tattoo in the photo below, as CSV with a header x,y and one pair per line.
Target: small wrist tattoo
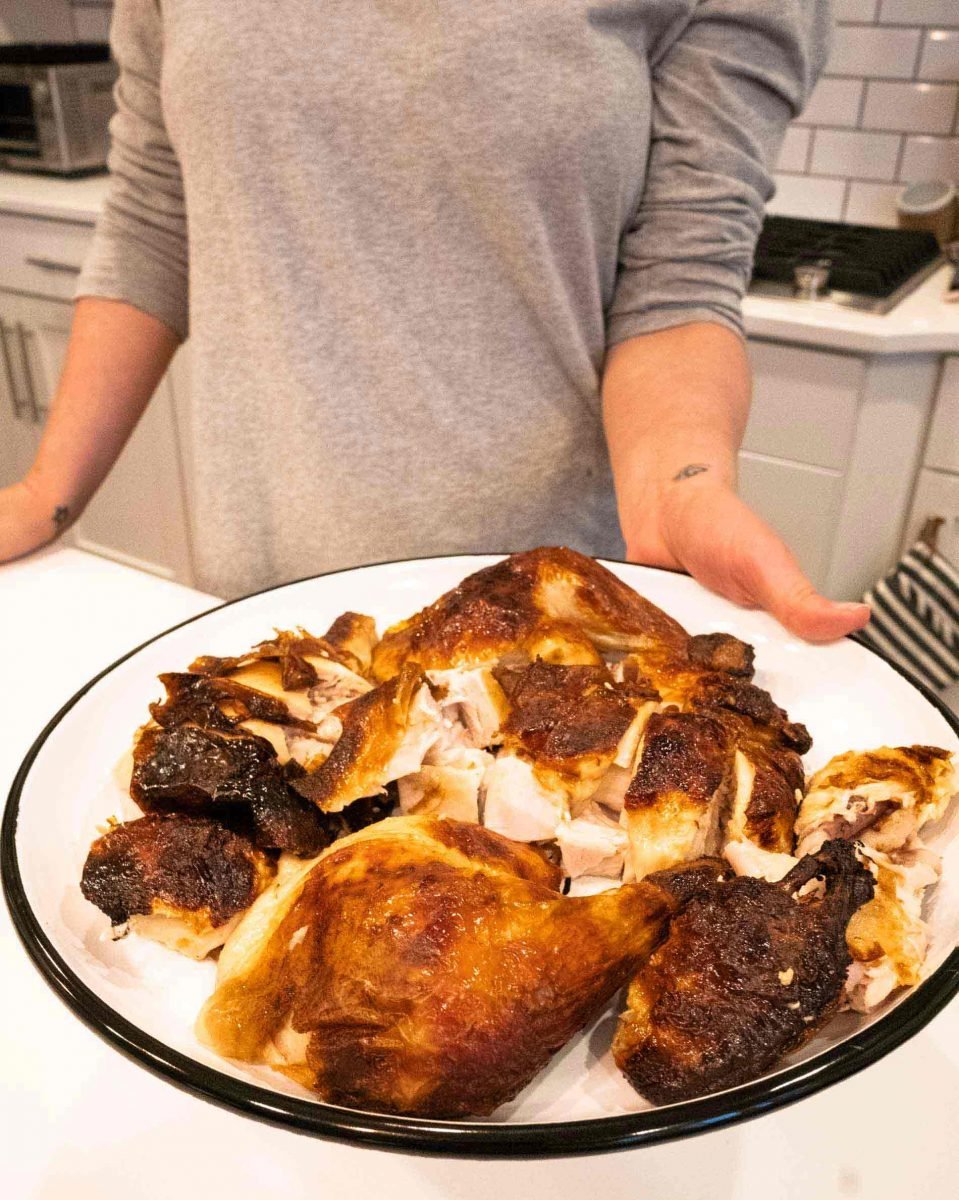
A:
x,y
689,471
61,515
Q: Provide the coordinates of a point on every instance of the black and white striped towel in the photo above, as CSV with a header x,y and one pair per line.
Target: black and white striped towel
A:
x,y
915,616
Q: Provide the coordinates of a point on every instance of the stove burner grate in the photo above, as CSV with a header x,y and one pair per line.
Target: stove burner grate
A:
x,y
865,260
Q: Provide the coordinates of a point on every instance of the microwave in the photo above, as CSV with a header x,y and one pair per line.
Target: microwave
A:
x,y
56,101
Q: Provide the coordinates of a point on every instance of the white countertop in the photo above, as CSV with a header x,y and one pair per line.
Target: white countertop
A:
x,y
48,196
79,1120
922,323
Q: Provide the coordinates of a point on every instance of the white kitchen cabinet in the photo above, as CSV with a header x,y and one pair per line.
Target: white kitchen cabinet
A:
x,y
805,403
942,449
937,495
139,514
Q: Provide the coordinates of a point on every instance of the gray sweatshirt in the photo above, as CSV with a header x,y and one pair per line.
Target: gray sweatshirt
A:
x,y
402,235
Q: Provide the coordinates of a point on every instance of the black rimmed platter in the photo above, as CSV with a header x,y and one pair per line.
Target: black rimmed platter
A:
x,y
143,999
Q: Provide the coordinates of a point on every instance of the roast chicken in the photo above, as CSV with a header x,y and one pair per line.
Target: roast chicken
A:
x,y
428,966
541,721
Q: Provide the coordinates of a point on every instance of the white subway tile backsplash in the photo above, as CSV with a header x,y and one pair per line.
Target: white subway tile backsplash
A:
x,y
930,158
940,54
910,107
855,10
795,149
919,12
834,102
805,196
872,203
873,51
855,154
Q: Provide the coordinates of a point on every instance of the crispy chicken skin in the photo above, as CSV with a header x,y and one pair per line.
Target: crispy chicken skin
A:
x,y
182,880
425,966
301,657
748,972
673,802
552,603
569,724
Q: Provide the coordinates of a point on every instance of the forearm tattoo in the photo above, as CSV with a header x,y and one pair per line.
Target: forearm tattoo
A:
x,y
61,515
689,471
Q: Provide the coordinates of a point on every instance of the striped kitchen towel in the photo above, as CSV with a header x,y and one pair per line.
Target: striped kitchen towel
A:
x,y
915,616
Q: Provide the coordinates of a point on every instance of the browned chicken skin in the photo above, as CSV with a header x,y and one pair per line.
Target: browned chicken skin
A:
x,y
746,975
427,966
551,603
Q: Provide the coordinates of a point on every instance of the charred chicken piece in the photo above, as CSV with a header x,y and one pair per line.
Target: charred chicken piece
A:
x,y
232,775
748,972
424,966
551,603
183,881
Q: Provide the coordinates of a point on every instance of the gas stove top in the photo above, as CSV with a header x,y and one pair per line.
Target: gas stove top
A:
x,y
856,266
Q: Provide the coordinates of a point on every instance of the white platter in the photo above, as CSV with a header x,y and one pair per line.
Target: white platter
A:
x,y
144,999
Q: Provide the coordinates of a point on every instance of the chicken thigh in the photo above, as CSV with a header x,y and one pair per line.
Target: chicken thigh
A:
x,y
426,966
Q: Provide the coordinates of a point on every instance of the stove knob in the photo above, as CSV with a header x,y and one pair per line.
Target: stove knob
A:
x,y
811,278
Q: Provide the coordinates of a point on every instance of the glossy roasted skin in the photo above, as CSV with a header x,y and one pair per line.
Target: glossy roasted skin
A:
x,y
747,974
882,796
551,603
179,865
426,966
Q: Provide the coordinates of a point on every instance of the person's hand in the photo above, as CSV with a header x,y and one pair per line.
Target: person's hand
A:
x,y
27,521
703,527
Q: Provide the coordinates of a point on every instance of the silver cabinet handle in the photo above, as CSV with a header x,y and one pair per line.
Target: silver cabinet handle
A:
x,y
27,374
51,264
15,402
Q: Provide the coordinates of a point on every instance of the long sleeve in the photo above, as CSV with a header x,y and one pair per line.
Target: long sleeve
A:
x,y
723,94
139,253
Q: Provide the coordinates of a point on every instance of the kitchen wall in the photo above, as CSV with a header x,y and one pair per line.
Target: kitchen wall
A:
x,y
886,113
54,20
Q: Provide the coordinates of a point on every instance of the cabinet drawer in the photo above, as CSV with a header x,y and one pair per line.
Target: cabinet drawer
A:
x,y
804,404
799,502
42,256
942,450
